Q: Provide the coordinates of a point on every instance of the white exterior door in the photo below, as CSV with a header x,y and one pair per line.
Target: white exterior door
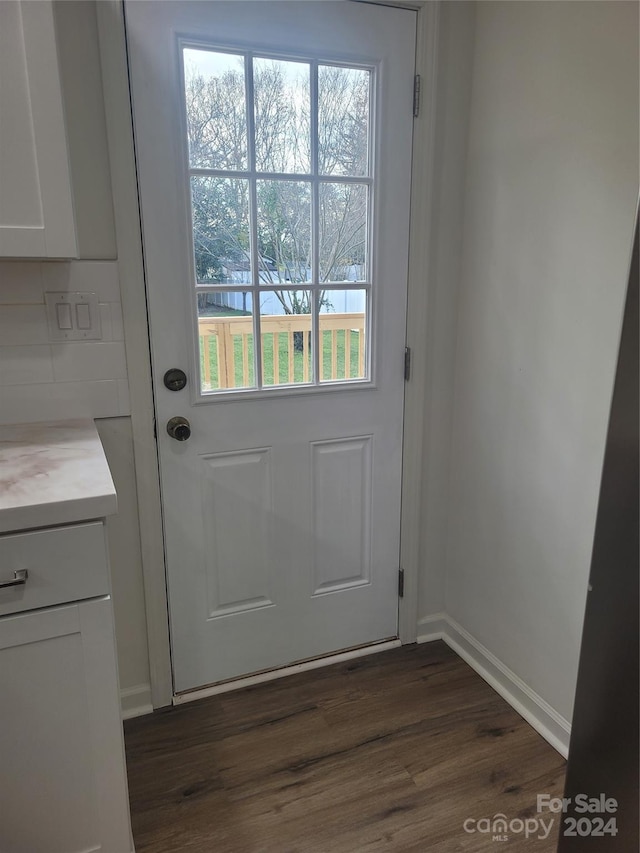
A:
x,y
274,153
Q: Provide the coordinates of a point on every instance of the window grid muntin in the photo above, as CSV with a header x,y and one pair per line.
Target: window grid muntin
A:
x,y
315,226
253,220
316,179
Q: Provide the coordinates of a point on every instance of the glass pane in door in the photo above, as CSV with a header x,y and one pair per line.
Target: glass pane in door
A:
x,y
343,120
282,108
221,236
284,232
287,342
342,330
225,337
214,87
343,232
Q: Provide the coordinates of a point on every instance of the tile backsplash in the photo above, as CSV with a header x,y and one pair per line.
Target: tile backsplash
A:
x,y
40,380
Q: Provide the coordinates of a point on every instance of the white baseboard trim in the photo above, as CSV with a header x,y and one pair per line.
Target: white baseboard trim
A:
x,y
432,628
539,714
136,701
272,674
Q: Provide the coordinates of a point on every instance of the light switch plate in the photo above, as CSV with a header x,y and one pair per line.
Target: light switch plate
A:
x,y
73,316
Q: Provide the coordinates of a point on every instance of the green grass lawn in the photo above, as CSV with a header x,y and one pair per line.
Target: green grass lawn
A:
x,y
283,359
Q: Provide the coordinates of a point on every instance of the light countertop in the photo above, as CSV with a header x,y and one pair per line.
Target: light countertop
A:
x,y
53,473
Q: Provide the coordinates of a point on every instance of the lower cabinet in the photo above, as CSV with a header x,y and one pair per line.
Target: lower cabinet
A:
x,y
62,771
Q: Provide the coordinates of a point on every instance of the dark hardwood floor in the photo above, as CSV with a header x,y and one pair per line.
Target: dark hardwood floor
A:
x,y
390,752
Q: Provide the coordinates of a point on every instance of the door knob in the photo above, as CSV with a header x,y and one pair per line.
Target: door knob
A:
x,y
179,428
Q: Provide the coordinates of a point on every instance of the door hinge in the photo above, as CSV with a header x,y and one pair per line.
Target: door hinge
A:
x,y
416,96
400,583
407,363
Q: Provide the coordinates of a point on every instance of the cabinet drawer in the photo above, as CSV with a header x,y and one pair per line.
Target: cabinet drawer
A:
x,y
63,564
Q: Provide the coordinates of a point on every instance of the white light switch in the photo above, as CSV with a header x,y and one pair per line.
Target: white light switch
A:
x,y
73,316
83,315
63,314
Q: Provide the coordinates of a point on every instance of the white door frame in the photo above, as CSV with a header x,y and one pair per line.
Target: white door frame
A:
x,y
110,16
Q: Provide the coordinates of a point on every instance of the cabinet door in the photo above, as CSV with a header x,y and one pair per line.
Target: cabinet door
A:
x,y
36,207
62,779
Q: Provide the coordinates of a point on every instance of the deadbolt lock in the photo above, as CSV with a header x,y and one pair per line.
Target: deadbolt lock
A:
x,y
179,428
175,379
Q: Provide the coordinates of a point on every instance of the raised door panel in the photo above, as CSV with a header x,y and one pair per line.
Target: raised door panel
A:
x,y
237,505
341,472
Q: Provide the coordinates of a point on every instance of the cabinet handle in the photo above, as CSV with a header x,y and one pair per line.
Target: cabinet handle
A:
x,y
19,579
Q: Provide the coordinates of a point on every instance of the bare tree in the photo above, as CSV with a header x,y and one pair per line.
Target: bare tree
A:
x,y
217,129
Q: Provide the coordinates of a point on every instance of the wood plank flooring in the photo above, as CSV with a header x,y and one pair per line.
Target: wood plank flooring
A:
x,y
390,752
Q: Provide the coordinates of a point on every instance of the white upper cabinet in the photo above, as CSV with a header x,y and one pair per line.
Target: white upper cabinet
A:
x,y
36,200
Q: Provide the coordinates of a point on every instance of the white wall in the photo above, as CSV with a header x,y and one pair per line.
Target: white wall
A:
x,y
552,182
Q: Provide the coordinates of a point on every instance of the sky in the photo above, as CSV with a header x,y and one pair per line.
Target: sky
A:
x,y
211,63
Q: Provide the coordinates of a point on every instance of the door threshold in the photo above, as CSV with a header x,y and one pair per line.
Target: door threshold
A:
x,y
283,671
